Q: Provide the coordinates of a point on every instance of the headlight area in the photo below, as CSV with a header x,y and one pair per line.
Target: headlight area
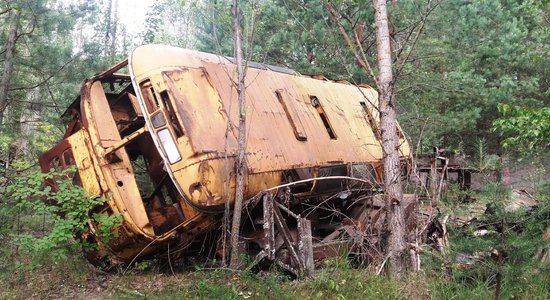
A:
x,y
169,145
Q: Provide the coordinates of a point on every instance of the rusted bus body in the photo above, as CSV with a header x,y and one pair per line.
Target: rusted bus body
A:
x,y
160,142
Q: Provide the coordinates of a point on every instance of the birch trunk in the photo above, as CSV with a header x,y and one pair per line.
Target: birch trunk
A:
x,y
113,29
395,217
240,167
108,29
9,60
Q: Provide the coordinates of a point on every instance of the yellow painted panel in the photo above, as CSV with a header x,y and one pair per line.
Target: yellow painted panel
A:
x,y
83,162
203,86
119,176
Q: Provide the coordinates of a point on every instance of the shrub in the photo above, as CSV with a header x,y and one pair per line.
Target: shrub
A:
x,y
48,221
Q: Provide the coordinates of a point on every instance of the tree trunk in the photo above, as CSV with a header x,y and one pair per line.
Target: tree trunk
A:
x,y
28,123
107,29
395,217
9,60
113,29
240,167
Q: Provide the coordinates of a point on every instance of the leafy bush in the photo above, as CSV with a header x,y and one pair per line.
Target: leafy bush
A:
x,y
48,221
526,129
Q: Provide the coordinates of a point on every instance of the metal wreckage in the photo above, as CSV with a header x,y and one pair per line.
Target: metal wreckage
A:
x,y
159,142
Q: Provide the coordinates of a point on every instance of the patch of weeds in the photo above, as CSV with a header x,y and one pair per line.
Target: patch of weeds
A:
x,y
451,289
497,260
341,282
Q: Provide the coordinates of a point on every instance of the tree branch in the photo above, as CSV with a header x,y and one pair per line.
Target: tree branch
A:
x,y
47,78
354,46
429,10
364,57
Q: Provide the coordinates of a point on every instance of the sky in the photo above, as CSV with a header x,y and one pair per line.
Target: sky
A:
x,y
132,13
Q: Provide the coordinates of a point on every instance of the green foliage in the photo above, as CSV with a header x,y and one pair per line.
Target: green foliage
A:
x,y
213,22
5,142
66,210
472,56
505,248
56,49
219,284
47,135
108,225
484,162
525,129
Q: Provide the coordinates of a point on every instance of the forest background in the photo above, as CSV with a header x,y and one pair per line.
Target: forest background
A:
x,y
475,80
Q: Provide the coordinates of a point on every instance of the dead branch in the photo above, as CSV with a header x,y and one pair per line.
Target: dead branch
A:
x,y
443,242
364,57
429,10
356,46
240,166
7,10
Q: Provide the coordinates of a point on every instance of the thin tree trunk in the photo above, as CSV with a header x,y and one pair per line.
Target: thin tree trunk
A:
x,y
8,61
107,29
113,29
27,123
240,167
226,235
395,218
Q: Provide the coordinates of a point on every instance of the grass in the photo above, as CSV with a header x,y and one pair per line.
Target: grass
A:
x,y
334,284
76,279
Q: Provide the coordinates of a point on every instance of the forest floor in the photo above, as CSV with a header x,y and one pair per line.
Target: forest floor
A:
x,y
78,280
85,282
468,269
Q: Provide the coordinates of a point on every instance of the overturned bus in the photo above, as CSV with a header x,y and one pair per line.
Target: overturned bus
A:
x,y
156,135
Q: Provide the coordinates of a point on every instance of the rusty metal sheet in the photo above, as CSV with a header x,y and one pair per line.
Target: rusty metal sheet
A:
x,y
119,176
201,109
83,162
297,134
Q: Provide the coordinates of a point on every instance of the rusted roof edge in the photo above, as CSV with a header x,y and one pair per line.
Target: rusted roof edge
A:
x,y
99,76
110,71
262,66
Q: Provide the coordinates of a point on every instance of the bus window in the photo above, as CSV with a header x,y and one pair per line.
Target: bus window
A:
x,y
324,118
149,96
171,113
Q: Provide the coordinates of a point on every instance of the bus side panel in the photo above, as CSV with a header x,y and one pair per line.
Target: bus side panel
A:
x,y
83,162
